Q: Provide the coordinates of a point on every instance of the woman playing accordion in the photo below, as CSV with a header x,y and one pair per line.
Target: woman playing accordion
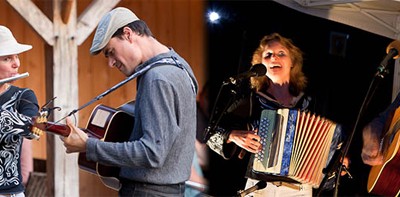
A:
x,y
238,130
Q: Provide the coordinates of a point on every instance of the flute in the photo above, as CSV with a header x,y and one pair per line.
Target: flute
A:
x,y
13,78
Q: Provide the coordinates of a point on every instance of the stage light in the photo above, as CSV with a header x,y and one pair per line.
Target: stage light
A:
x,y
213,17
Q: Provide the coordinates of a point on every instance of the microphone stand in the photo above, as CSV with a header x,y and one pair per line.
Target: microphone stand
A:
x,y
216,116
256,70
335,167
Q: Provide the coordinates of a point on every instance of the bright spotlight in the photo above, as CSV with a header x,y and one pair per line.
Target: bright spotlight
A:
x,y
213,17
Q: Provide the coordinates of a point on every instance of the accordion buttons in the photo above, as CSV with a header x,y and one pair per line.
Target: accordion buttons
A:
x,y
262,132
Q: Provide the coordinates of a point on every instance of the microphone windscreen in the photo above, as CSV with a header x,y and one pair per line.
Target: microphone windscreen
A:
x,y
259,69
394,45
262,184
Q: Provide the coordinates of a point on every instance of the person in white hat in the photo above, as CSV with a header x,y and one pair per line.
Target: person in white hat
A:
x,y
156,159
17,107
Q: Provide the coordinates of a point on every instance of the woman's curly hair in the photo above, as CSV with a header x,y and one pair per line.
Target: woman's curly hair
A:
x,y
298,80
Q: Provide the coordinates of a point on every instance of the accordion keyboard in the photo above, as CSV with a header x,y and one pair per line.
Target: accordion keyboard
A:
x,y
263,131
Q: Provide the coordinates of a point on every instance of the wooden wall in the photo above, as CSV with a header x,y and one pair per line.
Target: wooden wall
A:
x,y
176,23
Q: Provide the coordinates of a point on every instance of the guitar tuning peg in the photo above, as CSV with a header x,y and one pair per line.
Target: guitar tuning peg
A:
x,y
43,113
38,125
36,133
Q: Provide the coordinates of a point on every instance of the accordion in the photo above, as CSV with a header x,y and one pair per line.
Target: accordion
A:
x,y
295,144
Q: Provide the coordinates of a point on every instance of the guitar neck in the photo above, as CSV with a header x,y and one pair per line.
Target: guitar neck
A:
x,y
58,129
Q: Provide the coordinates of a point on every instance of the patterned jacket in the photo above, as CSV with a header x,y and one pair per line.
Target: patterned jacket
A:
x,y
17,107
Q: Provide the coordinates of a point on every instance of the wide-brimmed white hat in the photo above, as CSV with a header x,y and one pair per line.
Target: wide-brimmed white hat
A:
x,y
9,45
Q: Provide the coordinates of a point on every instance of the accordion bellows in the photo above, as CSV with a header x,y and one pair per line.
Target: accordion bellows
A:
x,y
294,144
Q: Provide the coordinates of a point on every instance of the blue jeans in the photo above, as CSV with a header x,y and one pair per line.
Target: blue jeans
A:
x,y
132,188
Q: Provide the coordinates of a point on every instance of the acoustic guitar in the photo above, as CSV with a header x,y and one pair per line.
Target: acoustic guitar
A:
x,y
385,179
107,124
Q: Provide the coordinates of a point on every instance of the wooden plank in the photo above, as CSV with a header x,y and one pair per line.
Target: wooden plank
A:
x,y
35,17
66,11
91,16
65,86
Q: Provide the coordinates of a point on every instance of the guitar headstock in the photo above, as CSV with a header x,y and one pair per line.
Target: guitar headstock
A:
x,y
39,124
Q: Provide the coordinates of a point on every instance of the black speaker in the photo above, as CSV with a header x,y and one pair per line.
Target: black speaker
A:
x,y
338,44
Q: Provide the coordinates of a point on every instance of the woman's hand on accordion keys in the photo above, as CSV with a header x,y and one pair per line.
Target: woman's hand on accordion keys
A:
x,y
248,140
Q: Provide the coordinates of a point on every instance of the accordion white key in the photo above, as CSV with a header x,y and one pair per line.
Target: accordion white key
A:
x,y
294,144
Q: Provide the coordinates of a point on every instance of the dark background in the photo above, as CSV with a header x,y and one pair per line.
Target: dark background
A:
x,y
339,72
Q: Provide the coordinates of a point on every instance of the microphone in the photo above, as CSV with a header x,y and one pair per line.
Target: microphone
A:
x,y
394,46
259,185
255,71
392,51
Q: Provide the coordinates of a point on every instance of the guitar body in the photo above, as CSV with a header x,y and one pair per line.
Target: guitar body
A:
x,y
109,125
385,179
106,124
